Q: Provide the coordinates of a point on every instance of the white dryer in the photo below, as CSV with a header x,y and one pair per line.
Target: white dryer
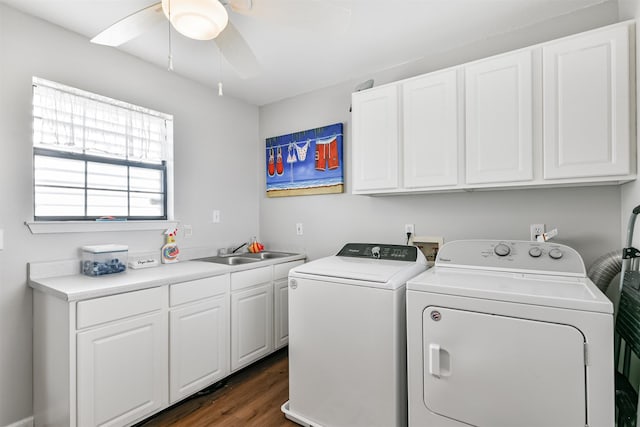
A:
x,y
347,337
508,334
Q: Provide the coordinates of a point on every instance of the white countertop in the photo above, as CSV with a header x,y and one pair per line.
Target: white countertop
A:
x,y
75,287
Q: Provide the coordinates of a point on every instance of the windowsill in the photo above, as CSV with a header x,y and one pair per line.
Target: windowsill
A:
x,y
50,227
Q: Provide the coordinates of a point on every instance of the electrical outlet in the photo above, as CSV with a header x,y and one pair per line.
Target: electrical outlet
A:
x,y
299,230
216,216
535,230
408,228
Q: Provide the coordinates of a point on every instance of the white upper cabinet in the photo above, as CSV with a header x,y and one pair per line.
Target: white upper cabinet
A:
x,y
554,114
430,125
375,139
586,105
499,119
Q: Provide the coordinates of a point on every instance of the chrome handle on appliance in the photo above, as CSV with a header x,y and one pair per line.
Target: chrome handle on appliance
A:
x,y
434,360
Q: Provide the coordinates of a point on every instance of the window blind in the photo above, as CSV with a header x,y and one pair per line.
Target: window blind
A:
x,y
97,157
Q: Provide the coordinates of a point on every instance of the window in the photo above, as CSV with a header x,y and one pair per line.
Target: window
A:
x,y
95,157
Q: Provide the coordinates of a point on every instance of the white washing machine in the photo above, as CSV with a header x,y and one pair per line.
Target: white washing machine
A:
x,y
508,334
347,337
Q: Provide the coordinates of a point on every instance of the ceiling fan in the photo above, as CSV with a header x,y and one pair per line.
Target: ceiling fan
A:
x,y
209,19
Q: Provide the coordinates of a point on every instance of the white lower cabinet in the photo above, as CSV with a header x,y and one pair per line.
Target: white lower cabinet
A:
x,y
122,371
115,360
281,302
100,361
280,313
259,312
251,324
198,335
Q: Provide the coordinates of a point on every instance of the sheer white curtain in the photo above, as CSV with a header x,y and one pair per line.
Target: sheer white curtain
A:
x,y
70,119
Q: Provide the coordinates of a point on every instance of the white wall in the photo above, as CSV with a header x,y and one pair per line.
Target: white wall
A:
x,y
215,160
588,218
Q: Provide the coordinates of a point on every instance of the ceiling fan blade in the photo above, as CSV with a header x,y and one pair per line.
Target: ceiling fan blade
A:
x,y
131,27
237,52
313,15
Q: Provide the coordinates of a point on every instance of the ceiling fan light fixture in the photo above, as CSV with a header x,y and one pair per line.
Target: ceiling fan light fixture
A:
x,y
196,19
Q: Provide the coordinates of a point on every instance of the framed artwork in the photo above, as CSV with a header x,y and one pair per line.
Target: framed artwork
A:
x,y
306,162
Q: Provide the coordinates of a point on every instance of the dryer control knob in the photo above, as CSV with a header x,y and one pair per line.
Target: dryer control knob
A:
x,y
502,250
535,252
555,253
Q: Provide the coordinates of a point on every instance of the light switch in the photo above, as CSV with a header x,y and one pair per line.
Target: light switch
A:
x,y
216,216
1,239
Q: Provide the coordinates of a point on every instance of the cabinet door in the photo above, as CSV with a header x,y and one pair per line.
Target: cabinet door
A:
x,y
251,325
499,119
199,346
122,371
586,105
281,313
430,124
375,139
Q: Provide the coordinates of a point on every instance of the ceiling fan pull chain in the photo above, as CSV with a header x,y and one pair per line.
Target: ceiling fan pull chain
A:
x,y
170,47
220,72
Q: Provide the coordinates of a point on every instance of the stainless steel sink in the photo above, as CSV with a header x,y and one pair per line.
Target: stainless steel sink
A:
x,y
268,255
245,257
230,259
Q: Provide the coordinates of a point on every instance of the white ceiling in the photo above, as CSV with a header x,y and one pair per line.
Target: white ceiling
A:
x,y
294,59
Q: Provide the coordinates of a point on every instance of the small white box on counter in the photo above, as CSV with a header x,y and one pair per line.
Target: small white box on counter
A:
x,y
98,260
143,263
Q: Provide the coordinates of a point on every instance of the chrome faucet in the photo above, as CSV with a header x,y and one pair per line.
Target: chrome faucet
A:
x,y
239,247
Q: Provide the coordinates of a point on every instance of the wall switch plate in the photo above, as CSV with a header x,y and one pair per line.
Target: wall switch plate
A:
x,y
409,228
299,230
188,231
535,230
216,216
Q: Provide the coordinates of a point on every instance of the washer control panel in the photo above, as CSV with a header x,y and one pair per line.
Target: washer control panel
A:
x,y
380,251
510,255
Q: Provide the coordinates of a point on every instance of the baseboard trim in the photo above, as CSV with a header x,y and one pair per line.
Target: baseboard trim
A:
x,y
27,422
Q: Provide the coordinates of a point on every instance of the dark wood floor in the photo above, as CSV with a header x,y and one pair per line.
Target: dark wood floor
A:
x,y
251,397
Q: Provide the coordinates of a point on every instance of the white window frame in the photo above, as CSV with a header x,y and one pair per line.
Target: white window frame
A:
x,y
87,225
